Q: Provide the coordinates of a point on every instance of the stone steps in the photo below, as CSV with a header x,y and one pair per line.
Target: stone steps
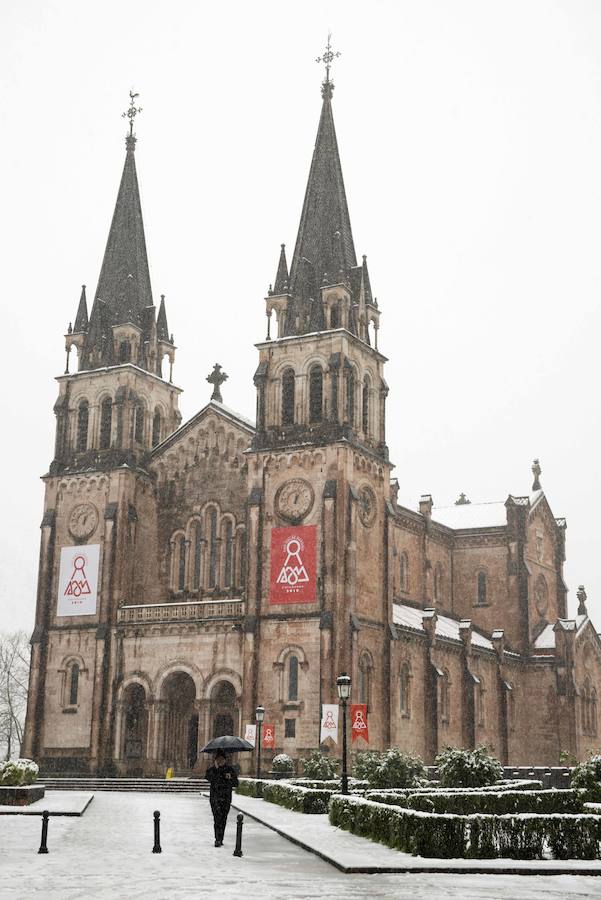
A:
x,y
89,783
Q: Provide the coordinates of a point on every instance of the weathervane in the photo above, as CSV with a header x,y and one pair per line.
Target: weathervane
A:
x,y
132,112
328,58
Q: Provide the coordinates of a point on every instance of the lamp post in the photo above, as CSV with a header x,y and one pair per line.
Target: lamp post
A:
x,y
343,683
259,716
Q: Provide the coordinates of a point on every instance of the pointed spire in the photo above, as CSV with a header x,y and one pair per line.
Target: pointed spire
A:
x,y
162,328
281,279
324,235
125,252
81,319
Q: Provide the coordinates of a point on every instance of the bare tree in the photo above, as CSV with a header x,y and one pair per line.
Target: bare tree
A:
x,y
14,678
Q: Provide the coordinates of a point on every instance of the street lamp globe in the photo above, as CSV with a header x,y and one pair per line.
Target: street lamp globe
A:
x,y
343,683
260,713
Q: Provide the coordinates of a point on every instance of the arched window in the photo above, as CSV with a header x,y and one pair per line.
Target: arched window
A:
x,y
404,572
156,428
438,576
293,677
334,317
405,690
350,396
73,684
365,406
229,554
197,556
541,596
106,418
315,394
139,423
124,351
288,381
181,565
243,559
365,672
445,697
212,548
593,711
83,416
481,599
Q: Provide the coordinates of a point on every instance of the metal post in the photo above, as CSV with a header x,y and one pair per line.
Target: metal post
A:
x,y
44,844
239,821
157,832
344,778
259,729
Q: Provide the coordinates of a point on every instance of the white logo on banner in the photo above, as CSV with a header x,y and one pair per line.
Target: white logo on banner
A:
x,y
329,722
359,724
293,571
78,580
250,734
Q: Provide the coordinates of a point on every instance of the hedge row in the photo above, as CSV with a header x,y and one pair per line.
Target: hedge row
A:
x,y
488,803
452,836
332,784
283,793
502,787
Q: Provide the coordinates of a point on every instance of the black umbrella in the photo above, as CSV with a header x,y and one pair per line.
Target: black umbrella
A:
x,y
227,744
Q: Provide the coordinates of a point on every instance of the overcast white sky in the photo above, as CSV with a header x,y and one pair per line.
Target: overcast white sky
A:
x,y
470,137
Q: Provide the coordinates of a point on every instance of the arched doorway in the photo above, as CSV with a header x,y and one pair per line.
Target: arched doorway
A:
x,y
224,709
135,729
180,730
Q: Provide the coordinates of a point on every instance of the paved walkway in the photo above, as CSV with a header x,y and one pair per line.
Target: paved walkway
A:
x,y
353,854
107,854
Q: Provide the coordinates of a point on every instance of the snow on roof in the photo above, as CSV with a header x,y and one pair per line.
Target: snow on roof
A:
x,y
546,639
471,515
446,627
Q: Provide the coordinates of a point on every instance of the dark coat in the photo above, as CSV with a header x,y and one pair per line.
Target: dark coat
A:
x,y
222,780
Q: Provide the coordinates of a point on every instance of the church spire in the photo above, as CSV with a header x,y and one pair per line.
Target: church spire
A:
x,y
81,319
280,285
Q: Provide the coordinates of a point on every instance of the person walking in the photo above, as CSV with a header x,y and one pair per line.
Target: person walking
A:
x,y
222,779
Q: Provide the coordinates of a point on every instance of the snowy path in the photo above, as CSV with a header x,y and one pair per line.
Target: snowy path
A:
x,y
107,854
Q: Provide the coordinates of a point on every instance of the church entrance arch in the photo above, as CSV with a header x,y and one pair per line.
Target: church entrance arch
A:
x,y
224,709
180,728
135,729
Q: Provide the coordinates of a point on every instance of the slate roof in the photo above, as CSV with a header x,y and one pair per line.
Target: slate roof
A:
x,y
471,515
412,617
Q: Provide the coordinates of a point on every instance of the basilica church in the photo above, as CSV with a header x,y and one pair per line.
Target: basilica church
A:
x,y
189,572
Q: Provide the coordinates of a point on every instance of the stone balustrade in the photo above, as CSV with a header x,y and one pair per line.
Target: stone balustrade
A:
x,y
187,611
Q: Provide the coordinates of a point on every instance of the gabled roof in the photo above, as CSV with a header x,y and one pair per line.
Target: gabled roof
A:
x,y
212,407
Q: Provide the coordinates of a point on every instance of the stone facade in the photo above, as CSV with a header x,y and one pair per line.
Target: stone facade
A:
x,y
452,622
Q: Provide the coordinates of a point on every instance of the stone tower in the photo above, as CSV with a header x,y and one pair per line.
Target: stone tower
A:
x,y
98,505
319,473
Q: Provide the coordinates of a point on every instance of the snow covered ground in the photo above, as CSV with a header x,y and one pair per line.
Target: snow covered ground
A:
x,y
107,853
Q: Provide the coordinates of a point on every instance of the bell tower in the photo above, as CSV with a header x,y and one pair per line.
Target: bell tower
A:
x,y
318,466
110,412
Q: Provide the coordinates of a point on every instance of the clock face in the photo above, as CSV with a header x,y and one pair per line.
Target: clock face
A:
x,y
294,499
83,521
367,506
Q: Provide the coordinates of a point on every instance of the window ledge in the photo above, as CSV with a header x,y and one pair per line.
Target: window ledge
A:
x,y
480,605
405,715
70,710
292,705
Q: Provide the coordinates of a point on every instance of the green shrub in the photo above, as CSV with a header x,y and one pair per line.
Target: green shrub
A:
x,y
392,768
283,763
14,773
588,775
330,784
479,836
468,768
498,804
319,766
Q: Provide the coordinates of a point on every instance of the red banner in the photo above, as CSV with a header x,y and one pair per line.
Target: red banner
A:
x,y
359,722
269,737
293,565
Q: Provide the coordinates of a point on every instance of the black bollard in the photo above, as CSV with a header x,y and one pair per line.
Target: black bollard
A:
x,y
239,821
44,844
157,832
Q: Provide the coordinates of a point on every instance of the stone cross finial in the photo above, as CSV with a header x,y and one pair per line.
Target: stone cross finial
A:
x,y
131,114
216,378
327,59
581,596
462,501
536,471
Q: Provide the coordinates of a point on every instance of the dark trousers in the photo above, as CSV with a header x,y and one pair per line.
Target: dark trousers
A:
x,y
220,807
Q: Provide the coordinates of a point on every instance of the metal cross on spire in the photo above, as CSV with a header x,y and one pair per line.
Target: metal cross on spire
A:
x,y
132,112
216,378
328,58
